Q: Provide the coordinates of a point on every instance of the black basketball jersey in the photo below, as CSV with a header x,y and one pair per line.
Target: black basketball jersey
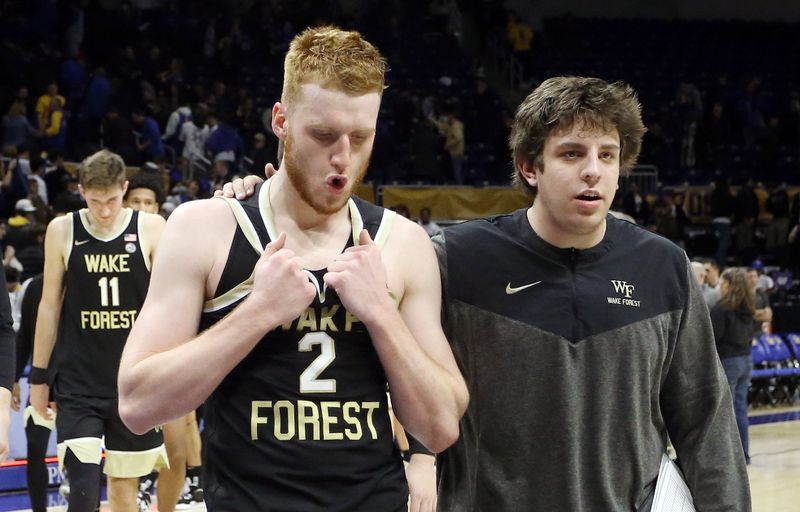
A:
x,y
301,424
105,283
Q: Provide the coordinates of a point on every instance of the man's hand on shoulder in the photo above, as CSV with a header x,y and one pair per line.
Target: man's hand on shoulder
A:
x,y
242,188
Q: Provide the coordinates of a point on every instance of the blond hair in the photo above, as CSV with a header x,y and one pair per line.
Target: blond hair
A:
x,y
559,104
332,58
102,170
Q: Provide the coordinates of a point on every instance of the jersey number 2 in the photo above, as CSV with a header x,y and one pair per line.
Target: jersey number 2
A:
x,y
309,381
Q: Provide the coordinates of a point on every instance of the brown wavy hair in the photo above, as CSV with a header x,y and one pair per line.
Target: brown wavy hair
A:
x,y
740,294
333,58
102,170
560,103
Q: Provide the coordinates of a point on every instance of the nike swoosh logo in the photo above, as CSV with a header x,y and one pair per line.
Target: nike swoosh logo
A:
x,y
81,242
512,291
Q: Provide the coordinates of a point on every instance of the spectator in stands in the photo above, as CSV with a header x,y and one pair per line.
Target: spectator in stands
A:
x,y
746,209
55,175
225,144
32,257
73,78
194,134
427,224
452,129
635,204
665,223
17,130
721,212
778,205
520,36
711,290
19,226
38,165
118,135
43,104
733,320
149,144
761,287
687,110
247,117
70,200
175,123
715,133
265,150
221,174
423,153
54,132
95,105
699,272
401,209
14,185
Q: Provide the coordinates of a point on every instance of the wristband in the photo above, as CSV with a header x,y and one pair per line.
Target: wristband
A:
x,y
37,375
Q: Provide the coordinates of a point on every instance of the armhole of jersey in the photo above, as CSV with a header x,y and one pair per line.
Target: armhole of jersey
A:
x,y
242,289
70,240
144,241
236,293
385,228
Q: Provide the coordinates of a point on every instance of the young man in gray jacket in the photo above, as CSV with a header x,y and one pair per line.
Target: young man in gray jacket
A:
x,y
584,340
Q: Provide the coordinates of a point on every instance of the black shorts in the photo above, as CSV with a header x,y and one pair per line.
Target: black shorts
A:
x,y
85,424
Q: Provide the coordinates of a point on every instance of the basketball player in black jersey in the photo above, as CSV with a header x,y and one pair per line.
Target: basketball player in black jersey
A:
x,y
97,269
307,301
145,194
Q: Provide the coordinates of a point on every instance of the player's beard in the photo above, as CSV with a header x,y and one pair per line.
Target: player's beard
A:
x,y
303,185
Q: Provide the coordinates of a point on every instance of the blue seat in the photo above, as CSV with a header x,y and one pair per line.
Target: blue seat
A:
x,y
793,341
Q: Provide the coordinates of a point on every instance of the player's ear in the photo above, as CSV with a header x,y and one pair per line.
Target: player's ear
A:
x,y
527,172
279,126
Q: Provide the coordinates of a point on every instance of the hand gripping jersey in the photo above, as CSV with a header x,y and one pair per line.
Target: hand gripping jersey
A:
x,y
301,423
105,282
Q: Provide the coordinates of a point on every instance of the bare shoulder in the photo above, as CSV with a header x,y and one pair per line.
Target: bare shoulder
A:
x,y
409,249
203,228
152,220
59,224
58,228
407,235
201,210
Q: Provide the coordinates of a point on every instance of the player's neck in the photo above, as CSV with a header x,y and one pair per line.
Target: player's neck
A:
x,y
108,227
287,203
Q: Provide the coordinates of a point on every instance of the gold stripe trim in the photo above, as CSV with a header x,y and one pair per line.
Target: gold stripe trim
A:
x,y
244,222
385,228
239,291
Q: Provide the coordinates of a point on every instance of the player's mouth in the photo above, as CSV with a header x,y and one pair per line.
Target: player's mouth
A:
x,y
589,195
337,182
589,199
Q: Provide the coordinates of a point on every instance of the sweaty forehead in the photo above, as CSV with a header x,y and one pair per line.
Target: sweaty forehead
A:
x,y
326,106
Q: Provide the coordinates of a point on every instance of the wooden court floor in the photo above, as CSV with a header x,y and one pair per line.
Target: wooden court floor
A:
x,y
775,460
